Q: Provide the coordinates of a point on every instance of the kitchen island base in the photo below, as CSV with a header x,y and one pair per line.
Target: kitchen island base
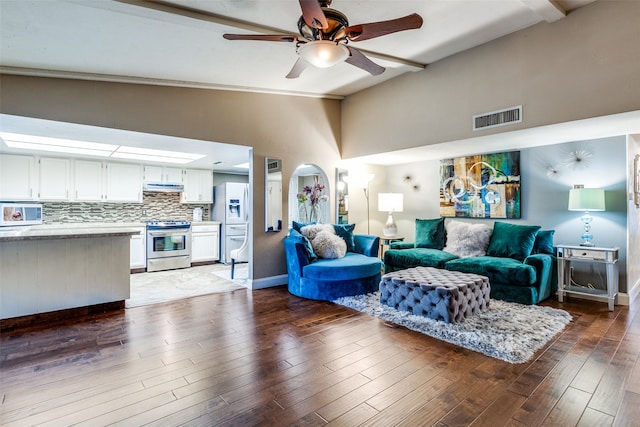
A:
x,y
46,273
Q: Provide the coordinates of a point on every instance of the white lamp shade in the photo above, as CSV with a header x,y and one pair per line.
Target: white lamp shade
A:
x,y
390,202
586,199
323,53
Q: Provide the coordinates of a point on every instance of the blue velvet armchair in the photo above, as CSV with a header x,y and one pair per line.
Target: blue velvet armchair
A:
x,y
356,273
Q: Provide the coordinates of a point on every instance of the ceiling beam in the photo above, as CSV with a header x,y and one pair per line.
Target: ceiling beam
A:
x,y
548,10
214,18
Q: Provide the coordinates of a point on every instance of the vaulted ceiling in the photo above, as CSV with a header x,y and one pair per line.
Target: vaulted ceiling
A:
x,y
179,42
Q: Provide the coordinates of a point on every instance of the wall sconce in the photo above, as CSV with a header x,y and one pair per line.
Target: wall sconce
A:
x,y
586,199
390,202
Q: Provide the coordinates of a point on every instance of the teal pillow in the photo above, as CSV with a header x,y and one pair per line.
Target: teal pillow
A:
x,y
346,232
512,240
307,244
544,243
430,233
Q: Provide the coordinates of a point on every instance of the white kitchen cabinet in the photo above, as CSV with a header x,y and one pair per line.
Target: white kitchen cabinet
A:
x,y
54,178
87,181
205,242
162,174
138,251
198,186
124,182
17,177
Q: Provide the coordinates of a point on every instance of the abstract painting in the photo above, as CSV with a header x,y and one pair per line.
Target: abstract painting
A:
x,y
481,186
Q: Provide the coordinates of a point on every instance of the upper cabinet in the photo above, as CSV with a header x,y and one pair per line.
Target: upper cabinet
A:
x,y
17,178
163,174
198,186
124,182
88,181
55,178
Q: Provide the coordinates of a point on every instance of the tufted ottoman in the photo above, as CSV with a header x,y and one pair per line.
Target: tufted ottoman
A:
x,y
444,295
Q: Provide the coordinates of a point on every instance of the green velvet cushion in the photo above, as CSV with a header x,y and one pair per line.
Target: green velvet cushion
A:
x,y
402,245
512,240
346,232
544,243
399,259
430,233
506,271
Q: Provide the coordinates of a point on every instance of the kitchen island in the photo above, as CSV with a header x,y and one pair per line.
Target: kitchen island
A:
x,y
47,268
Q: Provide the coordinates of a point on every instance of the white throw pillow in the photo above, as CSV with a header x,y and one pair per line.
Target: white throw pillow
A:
x,y
466,239
329,245
310,231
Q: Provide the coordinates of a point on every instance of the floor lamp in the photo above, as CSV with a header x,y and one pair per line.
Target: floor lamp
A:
x,y
363,181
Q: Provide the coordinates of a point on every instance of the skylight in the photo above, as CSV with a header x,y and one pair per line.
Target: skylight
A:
x,y
69,146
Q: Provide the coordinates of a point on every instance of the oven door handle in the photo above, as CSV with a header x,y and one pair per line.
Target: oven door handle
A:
x,y
166,234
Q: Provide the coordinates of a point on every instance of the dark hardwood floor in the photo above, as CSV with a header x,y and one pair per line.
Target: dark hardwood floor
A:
x,y
269,358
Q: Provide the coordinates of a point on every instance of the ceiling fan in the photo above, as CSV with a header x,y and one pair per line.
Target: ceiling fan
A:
x,y
325,34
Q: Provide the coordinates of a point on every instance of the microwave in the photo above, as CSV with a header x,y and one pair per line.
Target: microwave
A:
x,y
20,214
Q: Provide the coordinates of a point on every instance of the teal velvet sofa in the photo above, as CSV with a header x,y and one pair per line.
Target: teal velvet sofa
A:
x,y
358,272
518,259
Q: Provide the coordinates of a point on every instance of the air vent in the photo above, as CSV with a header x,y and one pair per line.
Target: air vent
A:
x,y
498,118
273,165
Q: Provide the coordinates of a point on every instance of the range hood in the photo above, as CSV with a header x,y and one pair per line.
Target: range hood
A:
x,y
163,187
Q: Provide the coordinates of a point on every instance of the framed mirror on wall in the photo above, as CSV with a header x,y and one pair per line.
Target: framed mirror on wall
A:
x,y
342,197
273,194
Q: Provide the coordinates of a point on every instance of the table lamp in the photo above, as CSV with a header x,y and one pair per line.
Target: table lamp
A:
x,y
390,202
586,199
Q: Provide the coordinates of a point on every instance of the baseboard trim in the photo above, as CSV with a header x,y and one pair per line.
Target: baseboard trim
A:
x,y
269,282
38,319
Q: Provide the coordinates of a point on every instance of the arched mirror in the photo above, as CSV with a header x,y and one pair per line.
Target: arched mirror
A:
x,y
309,195
273,194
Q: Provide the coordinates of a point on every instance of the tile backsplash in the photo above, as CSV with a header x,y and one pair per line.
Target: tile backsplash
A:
x,y
155,206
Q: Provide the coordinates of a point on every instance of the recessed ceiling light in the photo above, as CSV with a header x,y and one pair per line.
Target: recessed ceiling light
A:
x,y
242,165
159,153
42,142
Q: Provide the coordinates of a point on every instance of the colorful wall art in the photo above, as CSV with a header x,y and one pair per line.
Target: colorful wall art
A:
x,y
481,186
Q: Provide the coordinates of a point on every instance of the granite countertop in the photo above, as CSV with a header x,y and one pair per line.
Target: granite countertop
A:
x,y
68,231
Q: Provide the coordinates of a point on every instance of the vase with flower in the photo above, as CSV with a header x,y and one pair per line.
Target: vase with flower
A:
x,y
309,200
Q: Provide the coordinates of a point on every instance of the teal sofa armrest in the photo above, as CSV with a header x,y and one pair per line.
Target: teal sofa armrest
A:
x,y
402,245
546,274
367,244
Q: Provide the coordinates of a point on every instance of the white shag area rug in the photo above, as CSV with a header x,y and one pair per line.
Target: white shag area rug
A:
x,y
507,331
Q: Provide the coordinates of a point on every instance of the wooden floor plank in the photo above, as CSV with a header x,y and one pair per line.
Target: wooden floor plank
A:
x,y
269,358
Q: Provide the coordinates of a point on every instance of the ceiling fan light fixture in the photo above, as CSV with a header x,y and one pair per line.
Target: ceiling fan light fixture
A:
x,y
323,53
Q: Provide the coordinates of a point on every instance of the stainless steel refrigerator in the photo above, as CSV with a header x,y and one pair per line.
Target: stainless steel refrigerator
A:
x,y
231,208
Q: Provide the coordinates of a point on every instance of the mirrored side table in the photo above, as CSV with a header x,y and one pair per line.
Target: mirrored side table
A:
x,y
386,241
568,254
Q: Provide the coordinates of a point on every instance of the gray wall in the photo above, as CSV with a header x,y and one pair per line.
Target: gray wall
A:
x,y
544,197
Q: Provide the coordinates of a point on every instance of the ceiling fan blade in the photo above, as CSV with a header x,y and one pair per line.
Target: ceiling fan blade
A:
x,y
262,37
297,69
356,58
376,29
313,14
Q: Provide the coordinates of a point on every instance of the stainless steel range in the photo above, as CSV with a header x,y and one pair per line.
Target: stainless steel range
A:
x,y
168,245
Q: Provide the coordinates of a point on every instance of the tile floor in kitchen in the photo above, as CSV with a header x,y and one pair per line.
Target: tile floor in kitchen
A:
x,y
170,285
